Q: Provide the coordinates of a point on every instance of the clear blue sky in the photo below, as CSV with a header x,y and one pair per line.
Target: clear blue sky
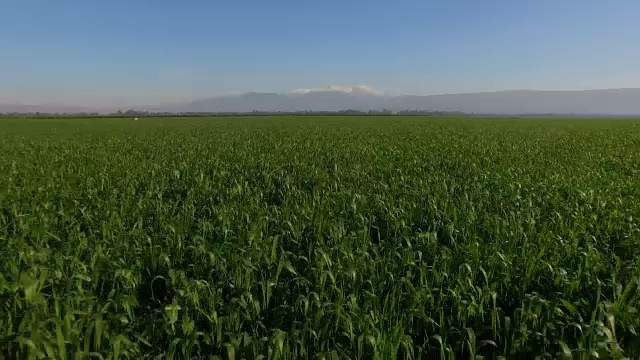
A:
x,y
149,51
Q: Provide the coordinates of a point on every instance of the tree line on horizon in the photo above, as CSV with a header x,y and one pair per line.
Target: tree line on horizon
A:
x,y
137,113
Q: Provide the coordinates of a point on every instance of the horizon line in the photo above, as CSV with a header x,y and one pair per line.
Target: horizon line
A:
x,y
328,89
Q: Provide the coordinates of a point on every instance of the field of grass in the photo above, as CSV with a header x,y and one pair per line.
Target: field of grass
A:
x,y
311,237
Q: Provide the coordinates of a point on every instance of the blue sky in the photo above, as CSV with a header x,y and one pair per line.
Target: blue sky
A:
x,y
107,52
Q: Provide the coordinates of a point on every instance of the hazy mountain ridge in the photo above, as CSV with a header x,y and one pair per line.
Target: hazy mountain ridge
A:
x,y
608,101
44,108
586,102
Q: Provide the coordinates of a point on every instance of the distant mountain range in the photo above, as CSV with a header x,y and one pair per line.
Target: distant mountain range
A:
x,y
44,108
361,98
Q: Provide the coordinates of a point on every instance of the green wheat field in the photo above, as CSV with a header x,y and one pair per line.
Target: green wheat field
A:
x,y
320,237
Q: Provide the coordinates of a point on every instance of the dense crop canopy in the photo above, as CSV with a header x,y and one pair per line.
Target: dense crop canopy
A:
x,y
311,237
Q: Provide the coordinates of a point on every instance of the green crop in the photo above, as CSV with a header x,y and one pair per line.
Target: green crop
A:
x,y
329,238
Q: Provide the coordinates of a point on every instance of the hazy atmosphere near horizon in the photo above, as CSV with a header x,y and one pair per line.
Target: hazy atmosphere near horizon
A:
x,y
133,53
